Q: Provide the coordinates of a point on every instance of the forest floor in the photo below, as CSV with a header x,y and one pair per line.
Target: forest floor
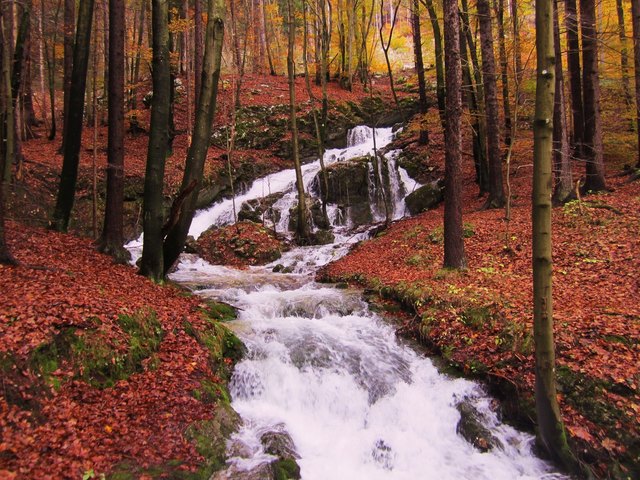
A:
x,y
480,319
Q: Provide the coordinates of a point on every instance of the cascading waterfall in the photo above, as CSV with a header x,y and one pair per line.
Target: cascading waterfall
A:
x,y
355,400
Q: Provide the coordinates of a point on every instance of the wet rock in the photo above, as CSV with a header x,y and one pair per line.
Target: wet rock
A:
x,y
424,198
264,471
191,245
260,208
278,442
470,427
383,454
322,237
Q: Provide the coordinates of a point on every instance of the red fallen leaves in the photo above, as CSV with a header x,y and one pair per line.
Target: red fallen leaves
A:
x,y
62,282
596,286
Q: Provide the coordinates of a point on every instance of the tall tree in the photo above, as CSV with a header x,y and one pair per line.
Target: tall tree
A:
x,y
504,72
496,187
419,63
302,227
152,264
387,45
592,141
184,207
635,17
624,56
112,239
439,57
73,120
69,32
551,427
454,256
563,190
575,76
198,49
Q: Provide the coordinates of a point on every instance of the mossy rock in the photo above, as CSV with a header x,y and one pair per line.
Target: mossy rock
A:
x,y
470,427
425,198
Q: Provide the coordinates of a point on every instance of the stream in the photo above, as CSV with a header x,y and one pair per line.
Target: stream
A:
x,y
356,401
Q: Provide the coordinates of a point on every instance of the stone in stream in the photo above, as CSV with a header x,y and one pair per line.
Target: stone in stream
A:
x,y
470,427
257,209
424,198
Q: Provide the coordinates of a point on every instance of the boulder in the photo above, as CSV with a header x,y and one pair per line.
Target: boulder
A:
x,y
424,198
254,210
470,427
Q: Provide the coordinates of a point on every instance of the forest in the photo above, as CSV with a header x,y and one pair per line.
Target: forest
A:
x,y
319,239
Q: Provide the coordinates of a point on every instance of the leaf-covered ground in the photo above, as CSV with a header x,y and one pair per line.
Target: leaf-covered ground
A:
x,y
60,421
480,319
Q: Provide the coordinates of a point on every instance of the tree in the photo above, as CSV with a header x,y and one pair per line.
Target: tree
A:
x,y
635,16
184,206
575,79
152,264
496,188
419,63
551,428
69,31
73,121
387,45
198,50
454,256
437,45
592,141
112,239
504,72
302,227
5,255
624,56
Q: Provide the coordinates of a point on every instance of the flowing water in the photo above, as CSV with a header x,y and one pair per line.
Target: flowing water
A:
x,y
355,400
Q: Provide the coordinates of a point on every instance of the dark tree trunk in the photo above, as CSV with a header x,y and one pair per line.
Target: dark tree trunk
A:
x,y
198,50
592,144
422,85
624,58
112,239
635,16
437,45
454,256
69,33
504,73
73,121
138,59
177,232
5,254
152,264
496,188
515,24
563,190
51,69
575,79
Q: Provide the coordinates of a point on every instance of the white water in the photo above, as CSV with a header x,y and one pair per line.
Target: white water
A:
x,y
357,402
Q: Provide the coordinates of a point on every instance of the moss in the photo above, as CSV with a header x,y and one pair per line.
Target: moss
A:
x,y
219,311
285,469
477,317
212,392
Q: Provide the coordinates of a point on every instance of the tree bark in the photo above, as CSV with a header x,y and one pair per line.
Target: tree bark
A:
x,y
419,63
198,50
635,16
177,234
454,255
624,57
504,73
551,428
73,121
592,144
112,239
69,32
496,188
152,264
563,190
437,45
575,78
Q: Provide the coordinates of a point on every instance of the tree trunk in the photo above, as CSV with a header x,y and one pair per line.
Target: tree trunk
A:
x,y
8,118
551,429
624,58
504,73
302,232
454,256
152,264
198,50
496,188
575,79
437,43
422,85
112,239
563,190
592,144
51,67
73,121
387,46
635,16
138,59
178,229
515,24
69,32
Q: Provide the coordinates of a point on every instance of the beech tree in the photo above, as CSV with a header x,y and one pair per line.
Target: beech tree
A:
x,y
419,64
437,50
112,239
69,31
575,79
73,120
454,256
635,17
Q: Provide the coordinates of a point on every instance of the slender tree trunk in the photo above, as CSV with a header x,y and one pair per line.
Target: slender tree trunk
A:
x,y
439,57
515,25
551,428
591,99
178,227
504,73
138,59
73,121
51,67
422,84
6,258
635,16
575,78
198,50
386,46
112,239
69,32
267,43
624,58
152,264
496,188
563,190
8,118
302,232
454,256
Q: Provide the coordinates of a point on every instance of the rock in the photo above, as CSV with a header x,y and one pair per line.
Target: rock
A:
x,y
263,471
470,427
278,442
191,245
257,209
322,237
424,198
